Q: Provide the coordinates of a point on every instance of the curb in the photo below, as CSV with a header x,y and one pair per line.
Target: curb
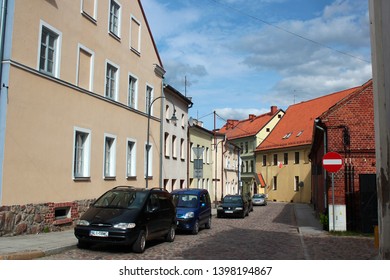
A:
x,y
35,254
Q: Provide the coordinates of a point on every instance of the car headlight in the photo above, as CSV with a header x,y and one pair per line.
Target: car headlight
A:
x,y
82,223
124,225
239,208
189,215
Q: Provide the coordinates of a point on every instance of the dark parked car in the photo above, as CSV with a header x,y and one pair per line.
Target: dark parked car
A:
x,y
128,216
259,199
193,209
233,206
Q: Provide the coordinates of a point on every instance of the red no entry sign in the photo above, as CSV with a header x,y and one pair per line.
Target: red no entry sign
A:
x,y
332,162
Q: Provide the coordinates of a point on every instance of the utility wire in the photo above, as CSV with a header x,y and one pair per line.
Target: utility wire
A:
x,y
226,6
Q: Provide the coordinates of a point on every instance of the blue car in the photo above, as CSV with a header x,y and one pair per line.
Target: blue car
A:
x,y
193,208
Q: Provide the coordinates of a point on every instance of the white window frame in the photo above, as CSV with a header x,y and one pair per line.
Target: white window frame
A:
x,y
92,64
119,16
147,100
135,91
150,169
85,13
136,49
131,158
174,146
57,49
116,80
86,156
111,172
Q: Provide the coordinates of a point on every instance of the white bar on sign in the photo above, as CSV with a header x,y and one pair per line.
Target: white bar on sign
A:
x,y
332,162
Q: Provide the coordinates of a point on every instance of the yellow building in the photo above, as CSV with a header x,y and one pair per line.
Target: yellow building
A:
x,y
77,79
282,159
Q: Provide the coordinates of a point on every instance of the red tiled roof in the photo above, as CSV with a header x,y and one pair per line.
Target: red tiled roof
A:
x,y
234,129
296,126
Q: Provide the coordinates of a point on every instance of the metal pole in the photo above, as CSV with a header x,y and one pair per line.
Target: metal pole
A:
x,y
334,220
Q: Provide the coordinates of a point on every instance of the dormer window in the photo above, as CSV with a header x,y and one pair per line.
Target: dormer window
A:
x,y
299,133
287,135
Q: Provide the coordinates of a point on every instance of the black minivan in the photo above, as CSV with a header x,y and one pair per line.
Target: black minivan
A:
x,y
129,216
193,208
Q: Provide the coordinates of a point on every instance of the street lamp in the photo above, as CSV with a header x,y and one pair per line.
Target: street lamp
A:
x,y
173,119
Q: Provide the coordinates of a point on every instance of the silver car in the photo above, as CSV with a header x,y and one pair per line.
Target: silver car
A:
x,y
259,199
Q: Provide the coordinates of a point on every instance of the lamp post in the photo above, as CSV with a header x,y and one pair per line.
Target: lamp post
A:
x,y
173,119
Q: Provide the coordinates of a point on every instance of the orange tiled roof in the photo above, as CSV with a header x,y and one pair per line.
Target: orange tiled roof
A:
x,y
234,129
296,126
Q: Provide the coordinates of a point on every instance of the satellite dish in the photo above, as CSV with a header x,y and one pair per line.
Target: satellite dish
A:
x,y
191,121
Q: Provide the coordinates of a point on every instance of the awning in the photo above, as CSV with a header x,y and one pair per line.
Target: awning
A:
x,y
260,180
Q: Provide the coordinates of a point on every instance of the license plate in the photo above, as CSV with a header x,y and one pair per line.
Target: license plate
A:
x,y
229,211
98,233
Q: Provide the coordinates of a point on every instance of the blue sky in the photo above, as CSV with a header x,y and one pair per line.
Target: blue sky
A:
x,y
241,57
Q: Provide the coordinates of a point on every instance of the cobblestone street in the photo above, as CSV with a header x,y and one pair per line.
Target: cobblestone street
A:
x,y
268,232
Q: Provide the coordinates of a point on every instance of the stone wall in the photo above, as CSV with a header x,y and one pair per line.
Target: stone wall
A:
x,y
37,218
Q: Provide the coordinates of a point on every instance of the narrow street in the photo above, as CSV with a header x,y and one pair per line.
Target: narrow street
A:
x,y
268,232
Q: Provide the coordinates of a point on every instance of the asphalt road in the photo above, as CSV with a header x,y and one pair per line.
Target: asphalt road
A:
x,y
269,233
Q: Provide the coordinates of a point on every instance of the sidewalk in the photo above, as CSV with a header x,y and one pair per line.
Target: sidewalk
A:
x,y
25,247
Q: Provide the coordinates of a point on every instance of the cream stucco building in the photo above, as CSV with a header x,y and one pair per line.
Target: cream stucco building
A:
x,y
77,79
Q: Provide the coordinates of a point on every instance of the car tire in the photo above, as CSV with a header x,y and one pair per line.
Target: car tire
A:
x,y
195,229
140,243
170,237
208,224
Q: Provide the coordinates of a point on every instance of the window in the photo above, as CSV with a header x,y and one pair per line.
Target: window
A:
x,y
275,159
191,152
285,161
135,35
82,153
149,99
296,183
132,95
275,183
246,147
109,156
149,163
85,68
131,159
174,153
252,166
264,160
114,20
49,53
88,9
296,158
166,144
182,149
207,155
111,81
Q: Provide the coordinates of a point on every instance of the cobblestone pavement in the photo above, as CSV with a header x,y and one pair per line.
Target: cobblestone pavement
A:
x,y
268,232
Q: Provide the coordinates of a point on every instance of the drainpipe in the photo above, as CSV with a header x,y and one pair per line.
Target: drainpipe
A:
x,y
325,151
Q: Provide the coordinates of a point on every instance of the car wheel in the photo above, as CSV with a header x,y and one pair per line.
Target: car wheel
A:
x,y
195,229
208,224
139,244
171,234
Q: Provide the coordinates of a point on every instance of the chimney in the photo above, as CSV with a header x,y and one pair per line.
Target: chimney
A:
x,y
274,109
252,117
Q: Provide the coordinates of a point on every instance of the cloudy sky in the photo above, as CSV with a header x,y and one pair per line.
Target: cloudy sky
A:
x,y
239,57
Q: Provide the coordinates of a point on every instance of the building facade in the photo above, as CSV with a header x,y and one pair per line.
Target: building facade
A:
x,y
347,128
74,107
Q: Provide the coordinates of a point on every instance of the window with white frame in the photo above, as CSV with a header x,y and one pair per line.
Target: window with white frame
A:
x,y
135,35
191,152
149,99
82,153
182,149
133,89
150,160
166,144
111,81
131,159
174,152
114,18
49,52
89,9
85,68
109,156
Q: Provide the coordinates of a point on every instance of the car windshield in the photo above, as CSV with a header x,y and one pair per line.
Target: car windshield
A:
x,y
259,196
121,199
232,199
185,200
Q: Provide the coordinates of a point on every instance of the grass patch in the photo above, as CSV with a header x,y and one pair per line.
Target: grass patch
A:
x,y
351,233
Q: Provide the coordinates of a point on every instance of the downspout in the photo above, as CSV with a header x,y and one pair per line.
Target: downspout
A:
x,y
160,180
325,151
3,19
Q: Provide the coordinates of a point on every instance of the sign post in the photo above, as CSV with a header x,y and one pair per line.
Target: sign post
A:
x,y
332,162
